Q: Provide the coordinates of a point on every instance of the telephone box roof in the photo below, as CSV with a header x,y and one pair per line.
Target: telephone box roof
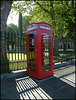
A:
x,y
39,23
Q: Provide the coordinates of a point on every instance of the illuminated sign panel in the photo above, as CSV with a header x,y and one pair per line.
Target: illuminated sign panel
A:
x,y
45,27
29,29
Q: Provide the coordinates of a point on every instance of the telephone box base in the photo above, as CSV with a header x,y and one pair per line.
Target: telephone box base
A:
x,y
41,76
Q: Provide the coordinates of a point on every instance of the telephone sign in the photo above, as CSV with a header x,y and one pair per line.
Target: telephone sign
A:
x,y
39,50
44,27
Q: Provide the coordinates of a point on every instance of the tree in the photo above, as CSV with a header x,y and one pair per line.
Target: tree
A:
x,y
5,9
25,23
11,33
12,28
60,14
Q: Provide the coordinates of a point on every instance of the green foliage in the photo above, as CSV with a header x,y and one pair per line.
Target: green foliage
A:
x,y
21,6
11,32
11,28
25,23
59,14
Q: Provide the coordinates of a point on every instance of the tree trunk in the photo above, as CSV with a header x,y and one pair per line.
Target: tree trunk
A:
x,y
55,50
20,31
20,23
64,45
74,12
5,9
55,47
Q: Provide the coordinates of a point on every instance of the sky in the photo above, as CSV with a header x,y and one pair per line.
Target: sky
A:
x,y
13,18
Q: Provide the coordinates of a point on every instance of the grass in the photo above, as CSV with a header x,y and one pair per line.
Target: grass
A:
x,y
66,52
14,57
13,64
19,71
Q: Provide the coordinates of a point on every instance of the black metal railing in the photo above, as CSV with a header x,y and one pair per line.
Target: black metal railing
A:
x,y
13,55
12,51
63,50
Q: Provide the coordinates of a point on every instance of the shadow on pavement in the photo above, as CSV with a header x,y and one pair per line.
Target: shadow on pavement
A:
x,y
8,89
30,88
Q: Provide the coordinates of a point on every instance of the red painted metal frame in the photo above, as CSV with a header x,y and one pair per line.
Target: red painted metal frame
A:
x,y
38,73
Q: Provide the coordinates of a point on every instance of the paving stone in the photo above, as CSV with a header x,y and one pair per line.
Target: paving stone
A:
x,y
68,90
7,83
10,93
26,87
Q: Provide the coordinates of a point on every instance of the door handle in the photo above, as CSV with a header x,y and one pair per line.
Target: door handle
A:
x,y
35,49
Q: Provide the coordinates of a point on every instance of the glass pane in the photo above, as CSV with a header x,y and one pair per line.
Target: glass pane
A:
x,y
32,69
46,54
45,40
46,44
46,63
31,64
31,59
31,35
31,54
45,34
32,42
46,49
46,59
46,69
31,49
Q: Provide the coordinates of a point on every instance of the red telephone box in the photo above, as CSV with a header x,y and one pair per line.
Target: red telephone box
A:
x,y
39,50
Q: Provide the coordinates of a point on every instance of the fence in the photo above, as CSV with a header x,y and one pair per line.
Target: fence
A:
x,y
63,50
13,51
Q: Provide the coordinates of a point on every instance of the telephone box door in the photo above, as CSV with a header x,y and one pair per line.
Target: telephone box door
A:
x,y
46,68
46,51
31,51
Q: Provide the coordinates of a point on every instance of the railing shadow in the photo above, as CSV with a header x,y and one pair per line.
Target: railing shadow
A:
x,y
30,88
49,88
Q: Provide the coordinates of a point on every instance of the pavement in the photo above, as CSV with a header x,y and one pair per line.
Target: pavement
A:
x,y
59,86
